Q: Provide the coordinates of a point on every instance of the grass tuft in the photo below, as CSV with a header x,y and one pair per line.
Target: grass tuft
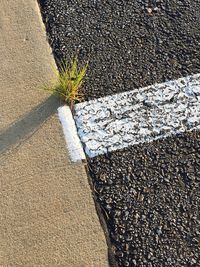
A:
x,y
69,81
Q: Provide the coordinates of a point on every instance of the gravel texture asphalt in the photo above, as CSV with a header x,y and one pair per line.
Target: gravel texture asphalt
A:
x,y
149,193
129,44
150,199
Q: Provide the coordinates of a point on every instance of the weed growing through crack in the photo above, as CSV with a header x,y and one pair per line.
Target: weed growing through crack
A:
x,y
69,81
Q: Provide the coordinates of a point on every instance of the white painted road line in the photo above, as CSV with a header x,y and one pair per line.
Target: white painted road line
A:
x,y
73,142
141,115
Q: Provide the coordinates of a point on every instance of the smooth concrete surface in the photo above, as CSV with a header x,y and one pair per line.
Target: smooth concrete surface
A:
x,y
47,213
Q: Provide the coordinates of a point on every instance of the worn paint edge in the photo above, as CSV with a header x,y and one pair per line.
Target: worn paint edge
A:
x,y
73,142
101,104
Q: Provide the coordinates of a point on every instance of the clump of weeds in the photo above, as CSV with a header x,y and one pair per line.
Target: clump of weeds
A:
x,y
68,82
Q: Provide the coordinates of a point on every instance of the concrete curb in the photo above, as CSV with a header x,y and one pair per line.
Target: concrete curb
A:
x,y
47,217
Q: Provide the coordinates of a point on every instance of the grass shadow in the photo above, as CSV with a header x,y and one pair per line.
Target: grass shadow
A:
x,y
26,125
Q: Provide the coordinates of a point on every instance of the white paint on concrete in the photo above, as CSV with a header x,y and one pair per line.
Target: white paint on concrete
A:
x,y
141,115
73,142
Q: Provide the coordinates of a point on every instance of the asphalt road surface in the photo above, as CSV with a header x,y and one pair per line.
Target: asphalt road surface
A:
x,y
149,193
129,44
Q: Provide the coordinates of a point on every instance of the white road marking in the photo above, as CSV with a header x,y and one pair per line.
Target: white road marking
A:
x,y
141,115
73,142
